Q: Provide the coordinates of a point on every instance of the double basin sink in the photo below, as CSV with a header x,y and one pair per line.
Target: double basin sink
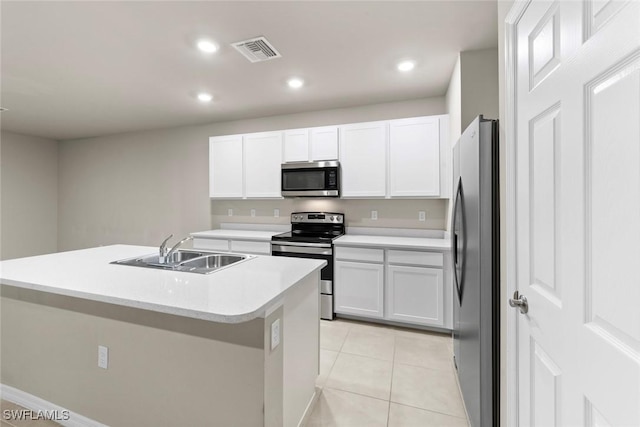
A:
x,y
187,260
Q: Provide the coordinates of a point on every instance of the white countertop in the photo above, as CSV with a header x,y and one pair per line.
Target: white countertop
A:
x,y
232,295
236,234
393,242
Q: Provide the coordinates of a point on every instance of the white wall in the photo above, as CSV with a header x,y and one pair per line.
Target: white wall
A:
x,y
454,104
138,188
479,82
29,195
473,89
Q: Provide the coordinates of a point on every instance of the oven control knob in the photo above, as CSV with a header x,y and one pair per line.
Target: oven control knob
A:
x,y
339,218
331,217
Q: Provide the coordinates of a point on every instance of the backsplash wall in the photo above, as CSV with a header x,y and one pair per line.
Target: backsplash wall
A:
x,y
391,213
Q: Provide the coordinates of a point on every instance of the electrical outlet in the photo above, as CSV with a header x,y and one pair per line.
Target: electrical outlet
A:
x,y
275,334
253,212
230,212
374,215
276,213
103,357
422,215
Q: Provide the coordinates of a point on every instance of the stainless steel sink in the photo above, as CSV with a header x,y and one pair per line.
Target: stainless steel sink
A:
x,y
189,261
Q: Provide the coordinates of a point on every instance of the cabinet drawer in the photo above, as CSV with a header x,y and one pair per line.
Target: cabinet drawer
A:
x,y
242,246
211,244
360,254
433,259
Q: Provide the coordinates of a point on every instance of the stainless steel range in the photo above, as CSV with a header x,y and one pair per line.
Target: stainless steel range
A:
x,y
311,236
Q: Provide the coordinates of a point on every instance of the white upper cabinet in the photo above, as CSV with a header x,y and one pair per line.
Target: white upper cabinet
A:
x,y
414,157
363,158
245,166
309,145
262,161
324,143
407,158
296,145
225,167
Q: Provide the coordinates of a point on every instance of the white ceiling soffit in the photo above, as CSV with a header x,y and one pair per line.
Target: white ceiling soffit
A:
x,y
80,69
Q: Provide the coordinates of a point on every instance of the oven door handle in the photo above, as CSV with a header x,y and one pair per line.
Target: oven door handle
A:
x,y
301,250
302,244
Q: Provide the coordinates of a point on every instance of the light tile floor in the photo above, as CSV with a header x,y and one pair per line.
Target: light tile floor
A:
x,y
376,375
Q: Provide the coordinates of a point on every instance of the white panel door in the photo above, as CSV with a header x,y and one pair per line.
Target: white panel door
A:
x,y
296,145
577,213
324,143
359,289
363,156
416,295
225,167
262,163
414,157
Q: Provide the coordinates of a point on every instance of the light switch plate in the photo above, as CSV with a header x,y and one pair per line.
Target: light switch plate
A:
x,y
374,215
253,212
276,213
230,212
103,357
275,334
422,215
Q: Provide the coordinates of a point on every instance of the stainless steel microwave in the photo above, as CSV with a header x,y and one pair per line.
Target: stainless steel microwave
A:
x,y
311,179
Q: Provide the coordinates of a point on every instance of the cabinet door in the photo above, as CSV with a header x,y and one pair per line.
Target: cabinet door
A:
x,y
296,145
262,164
363,155
359,288
324,143
415,295
414,157
225,166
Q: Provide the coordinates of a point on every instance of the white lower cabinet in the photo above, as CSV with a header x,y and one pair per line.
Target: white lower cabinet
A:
x,y
415,294
407,286
361,288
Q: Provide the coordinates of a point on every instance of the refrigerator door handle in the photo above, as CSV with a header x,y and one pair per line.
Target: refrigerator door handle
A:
x,y
458,238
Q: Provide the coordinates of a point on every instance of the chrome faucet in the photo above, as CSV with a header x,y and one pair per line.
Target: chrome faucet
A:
x,y
163,249
164,255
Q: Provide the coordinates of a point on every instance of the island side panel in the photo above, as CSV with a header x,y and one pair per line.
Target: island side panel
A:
x,y
273,372
301,331
164,370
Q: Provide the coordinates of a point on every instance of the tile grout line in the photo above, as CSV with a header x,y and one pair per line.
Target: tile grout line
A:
x,y
356,393
430,410
393,362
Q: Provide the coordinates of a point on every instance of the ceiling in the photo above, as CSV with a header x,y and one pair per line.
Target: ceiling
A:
x,y
80,69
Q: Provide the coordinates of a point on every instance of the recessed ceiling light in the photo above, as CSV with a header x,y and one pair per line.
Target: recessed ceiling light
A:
x,y
205,97
295,83
406,65
207,46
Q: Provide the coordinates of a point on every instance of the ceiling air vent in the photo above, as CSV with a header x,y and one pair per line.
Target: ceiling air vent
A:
x,y
257,49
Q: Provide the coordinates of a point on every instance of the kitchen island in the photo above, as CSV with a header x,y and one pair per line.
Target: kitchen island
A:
x,y
183,348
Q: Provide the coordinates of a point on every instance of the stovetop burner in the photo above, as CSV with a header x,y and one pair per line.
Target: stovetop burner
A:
x,y
313,227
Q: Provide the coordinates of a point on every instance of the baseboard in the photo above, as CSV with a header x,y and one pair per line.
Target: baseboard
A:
x,y
310,406
35,403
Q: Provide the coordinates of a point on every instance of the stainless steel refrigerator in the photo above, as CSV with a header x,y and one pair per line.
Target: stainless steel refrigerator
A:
x,y
475,258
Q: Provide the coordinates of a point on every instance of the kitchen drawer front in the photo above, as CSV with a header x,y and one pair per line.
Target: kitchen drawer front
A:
x,y
242,246
431,259
359,254
211,244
